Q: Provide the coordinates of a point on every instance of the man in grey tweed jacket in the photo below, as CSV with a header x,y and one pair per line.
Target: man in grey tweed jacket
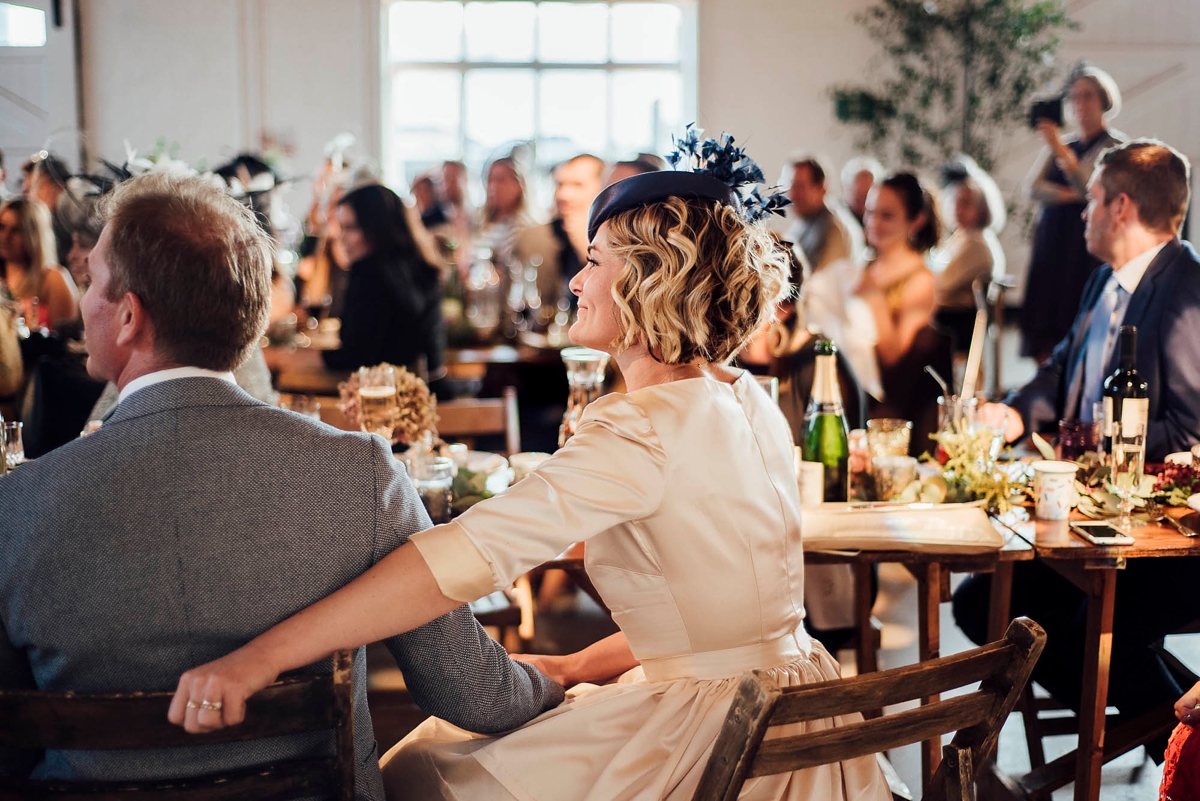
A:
x,y
197,517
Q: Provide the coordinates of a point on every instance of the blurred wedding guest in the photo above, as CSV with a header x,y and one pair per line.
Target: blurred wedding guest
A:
x,y
972,253
644,163
880,316
323,269
187,515
562,243
424,195
32,275
82,217
1151,279
859,174
12,368
1060,263
450,219
46,181
822,230
506,210
392,309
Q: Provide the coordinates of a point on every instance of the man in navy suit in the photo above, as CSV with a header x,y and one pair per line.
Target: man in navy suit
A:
x,y
1136,201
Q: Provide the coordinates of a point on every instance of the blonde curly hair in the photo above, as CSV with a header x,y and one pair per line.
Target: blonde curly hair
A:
x,y
698,280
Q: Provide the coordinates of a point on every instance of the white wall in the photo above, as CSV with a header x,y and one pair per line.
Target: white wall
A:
x,y
766,68
215,75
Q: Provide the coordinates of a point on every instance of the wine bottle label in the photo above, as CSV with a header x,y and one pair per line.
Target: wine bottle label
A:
x,y
1108,416
1135,412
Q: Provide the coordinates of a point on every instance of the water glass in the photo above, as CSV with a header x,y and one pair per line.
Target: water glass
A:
x,y
893,474
1128,461
956,414
770,385
888,436
14,448
433,476
1077,437
377,404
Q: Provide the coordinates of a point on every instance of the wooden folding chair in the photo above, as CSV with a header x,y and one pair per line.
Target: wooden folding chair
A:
x,y
1002,667
31,719
468,418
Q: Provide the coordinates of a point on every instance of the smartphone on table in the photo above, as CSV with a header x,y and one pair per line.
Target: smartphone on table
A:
x,y
1101,533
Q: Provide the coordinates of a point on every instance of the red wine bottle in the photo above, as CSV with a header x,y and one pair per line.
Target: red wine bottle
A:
x,y
1126,396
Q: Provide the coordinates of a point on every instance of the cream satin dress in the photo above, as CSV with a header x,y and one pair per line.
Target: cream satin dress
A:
x,y
686,495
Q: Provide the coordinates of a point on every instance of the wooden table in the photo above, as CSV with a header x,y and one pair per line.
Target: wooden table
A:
x,y
932,570
1093,569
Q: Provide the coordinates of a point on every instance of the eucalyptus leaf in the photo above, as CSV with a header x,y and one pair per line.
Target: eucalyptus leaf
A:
x,y
1043,447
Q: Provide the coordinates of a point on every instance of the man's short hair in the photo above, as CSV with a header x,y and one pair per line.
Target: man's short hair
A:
x,y
197,261
816,168
595,162
1154,175
858,165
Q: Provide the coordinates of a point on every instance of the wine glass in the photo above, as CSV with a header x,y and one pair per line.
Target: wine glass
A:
x,y
1128,459
378,408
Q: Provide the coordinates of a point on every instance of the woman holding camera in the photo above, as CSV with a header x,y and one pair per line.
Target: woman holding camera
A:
x,y
1060,263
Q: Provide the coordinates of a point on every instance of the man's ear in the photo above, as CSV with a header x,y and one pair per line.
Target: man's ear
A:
x,y
133,323
1124,211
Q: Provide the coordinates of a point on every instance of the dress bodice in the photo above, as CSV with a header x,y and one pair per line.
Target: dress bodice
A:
x,y
686,495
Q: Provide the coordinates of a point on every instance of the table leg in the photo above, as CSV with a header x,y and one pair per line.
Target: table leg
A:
x,y
868,659
1097,655
1000,602
929,595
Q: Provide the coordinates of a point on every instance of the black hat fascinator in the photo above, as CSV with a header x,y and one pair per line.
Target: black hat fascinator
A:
x,y
704,169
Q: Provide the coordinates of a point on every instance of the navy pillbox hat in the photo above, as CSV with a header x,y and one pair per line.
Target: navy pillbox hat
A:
x,y
653,187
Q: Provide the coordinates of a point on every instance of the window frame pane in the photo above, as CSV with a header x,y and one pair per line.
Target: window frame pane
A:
x,y
683,66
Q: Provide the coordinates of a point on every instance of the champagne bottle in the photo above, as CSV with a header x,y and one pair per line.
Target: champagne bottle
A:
x,y
827,437
1125,395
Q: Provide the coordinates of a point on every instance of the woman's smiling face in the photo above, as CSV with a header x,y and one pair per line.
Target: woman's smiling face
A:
x,y
596,326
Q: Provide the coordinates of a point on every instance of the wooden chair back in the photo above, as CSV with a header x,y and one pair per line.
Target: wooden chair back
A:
x,y
1002,668
31,719
468,418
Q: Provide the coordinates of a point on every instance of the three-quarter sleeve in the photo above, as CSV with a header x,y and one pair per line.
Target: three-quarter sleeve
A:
x,y
611,471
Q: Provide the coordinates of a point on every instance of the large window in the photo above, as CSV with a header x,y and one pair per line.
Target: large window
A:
x,y
473,80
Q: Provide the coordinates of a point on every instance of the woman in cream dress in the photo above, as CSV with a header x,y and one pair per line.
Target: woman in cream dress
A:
x,y
683,489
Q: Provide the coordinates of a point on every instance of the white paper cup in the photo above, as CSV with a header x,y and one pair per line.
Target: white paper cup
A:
x,y
524,463
810,480
1053,489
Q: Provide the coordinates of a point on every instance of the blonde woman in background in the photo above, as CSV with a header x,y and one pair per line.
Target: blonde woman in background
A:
x,y
32,275
506,211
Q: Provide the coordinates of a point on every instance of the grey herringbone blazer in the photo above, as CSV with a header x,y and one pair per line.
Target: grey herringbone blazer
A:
x,y
196,518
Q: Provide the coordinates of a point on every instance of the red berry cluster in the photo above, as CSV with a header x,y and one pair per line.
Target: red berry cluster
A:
x,y
1183,476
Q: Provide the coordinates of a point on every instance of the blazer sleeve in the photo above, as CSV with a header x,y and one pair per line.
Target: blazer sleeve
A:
x,y
451,667
1177,426
1048,385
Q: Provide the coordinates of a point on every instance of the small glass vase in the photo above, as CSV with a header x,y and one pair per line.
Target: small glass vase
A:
x,y
585,378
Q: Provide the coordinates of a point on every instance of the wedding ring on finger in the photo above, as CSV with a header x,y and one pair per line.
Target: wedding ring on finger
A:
x,y
192,704
212,706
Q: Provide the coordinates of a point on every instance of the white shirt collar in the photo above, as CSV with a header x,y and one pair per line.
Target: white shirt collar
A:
x,y
159,376
1131,274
